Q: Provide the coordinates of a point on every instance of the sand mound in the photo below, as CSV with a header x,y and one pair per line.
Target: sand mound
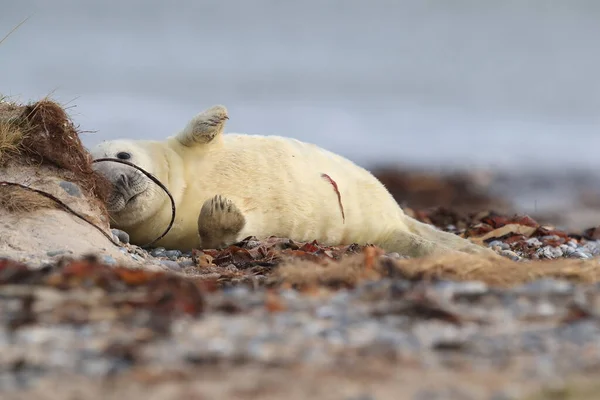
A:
x,y
51,200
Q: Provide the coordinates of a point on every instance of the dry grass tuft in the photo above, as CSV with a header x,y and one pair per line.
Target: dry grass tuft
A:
x,y
55,141
498,272
19,200
303,274
42,134
11,136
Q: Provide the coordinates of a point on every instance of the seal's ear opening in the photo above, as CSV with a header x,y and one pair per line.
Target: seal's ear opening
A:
x,y
205,127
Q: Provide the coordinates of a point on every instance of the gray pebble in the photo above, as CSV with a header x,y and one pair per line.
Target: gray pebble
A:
x,y
172,265
546,286
451,288
510,254
172,254
106,259
71,188
53,253
500,244
580,254
592,248
549,252
158,252
186,263
533,242
550,237
122,236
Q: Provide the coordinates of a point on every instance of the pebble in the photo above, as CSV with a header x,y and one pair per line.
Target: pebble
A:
x,y
546,286
172,265
53,253
549,252
533,242
452,289
499,244
106,259
71,188
580,254
172,254
510,254
186,263
158,252
592,248
121,236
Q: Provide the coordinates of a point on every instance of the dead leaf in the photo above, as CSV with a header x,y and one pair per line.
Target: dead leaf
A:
x,y
514,229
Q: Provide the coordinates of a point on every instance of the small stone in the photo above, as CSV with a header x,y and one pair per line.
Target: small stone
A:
x,y
579,254
533,242
549,252
592,248
395,256
550,237
546,286
53,253
187,254
468,288
172,254
122,236
499,244
172,265
106,259
158,252
510,254
70,188
186,263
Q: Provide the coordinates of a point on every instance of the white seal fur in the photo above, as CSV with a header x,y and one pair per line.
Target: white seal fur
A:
x,y
230,186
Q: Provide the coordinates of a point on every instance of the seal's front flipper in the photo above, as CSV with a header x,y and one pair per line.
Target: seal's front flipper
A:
x,y
204,127
219,223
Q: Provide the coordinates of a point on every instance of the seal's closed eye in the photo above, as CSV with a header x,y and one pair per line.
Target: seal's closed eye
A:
x,y
123,155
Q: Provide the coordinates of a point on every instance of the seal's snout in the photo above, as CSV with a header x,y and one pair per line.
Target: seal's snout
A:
x,y
122,181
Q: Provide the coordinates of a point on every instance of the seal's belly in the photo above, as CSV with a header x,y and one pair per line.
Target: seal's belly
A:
x,y
288,188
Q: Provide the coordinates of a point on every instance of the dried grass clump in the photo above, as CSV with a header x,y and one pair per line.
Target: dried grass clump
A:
x,y
53,140
498,272
11,136
41,134
19,200
346,273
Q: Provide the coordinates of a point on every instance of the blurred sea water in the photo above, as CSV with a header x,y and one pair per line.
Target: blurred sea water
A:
x,y
436,83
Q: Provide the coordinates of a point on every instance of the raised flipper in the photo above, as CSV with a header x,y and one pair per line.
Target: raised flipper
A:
x,y
219,223
204,127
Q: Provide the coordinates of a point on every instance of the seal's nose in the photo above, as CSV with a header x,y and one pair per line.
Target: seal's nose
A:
x,y
122,180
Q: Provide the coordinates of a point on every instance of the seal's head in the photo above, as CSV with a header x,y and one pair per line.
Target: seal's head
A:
x,y
134,196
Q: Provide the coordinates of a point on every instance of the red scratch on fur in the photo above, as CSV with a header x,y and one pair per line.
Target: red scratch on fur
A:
x,y
335,187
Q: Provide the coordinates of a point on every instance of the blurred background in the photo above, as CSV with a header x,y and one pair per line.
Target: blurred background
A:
x,y
507,91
